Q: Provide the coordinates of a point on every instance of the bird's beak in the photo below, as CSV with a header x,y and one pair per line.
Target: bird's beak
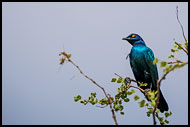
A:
x,y
127,38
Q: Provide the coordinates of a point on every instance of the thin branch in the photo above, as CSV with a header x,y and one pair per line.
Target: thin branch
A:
x,y
101,106
177,61
127,78
164,76
128,86
158,89
184,49
94,82
180,24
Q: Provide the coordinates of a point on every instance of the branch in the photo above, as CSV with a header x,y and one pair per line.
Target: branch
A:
x,y
158,93
94,82
164,76
180,24
184,49
129,86
177,61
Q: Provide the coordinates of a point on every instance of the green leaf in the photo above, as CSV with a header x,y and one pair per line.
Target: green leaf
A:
x,y
170,113
116,107
166,121
167,114
124,96
160,118
136,97
129,93
120,101
181,65
175,46
142,84
133,91
155,61
149,112
157,110
119,80
126,99
77,98
142,103
118,89
171,56
120,107
122,113
186,44
163,64
167,69
117,96
113,80
173,50
93,94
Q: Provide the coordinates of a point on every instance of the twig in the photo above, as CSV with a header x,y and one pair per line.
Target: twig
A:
x,y
184,49
177,61
164,76
158,89
94,82
128,86
180,24
101,106
128,78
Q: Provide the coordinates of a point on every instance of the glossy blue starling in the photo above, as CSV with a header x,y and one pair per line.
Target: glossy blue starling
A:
x,y
141,61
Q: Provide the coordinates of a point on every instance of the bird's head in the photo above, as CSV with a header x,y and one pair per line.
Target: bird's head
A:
x,y
134,39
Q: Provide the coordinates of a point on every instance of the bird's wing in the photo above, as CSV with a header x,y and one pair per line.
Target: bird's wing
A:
x,y
149,58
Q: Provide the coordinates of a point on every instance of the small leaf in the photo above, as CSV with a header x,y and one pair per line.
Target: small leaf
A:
x,y
126,99
93,94
117,96
175,46
113,80
143,84
166,121
155,61
142,103
167,114
163,64
148,114
129,93
173,50
157,110
136,97
77,98
119,80
181,65
170,113
120,101
124,96
171,56
69,56
122,113
160,119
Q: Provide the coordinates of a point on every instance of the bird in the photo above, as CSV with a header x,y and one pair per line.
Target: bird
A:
x,y
141,62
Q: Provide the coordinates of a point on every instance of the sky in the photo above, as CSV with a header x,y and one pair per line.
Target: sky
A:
x,y
36,90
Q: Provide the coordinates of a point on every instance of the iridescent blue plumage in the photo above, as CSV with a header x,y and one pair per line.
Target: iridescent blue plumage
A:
x,y
141,61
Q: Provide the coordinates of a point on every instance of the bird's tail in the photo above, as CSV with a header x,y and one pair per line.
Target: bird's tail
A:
x,y
162,105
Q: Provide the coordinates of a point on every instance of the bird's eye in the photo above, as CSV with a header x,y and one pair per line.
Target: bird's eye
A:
x,y
133,35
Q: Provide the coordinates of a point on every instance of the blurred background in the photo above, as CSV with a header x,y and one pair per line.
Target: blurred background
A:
x,y
37,90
